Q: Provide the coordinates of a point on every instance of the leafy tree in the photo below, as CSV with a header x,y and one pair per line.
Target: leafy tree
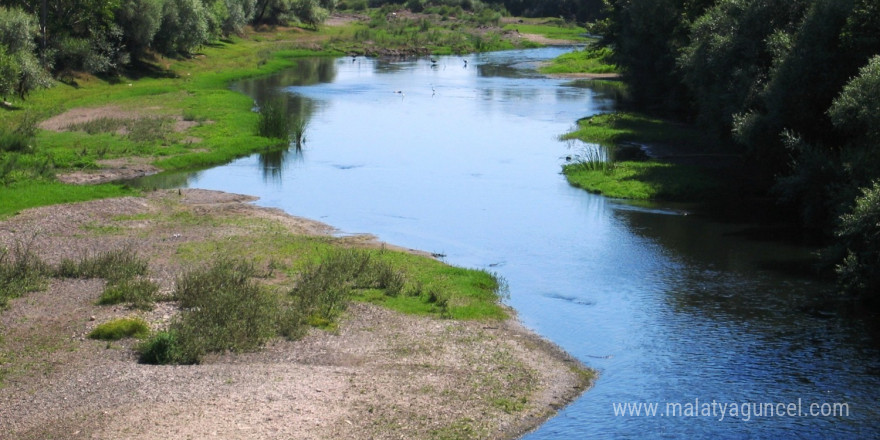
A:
x,y
801,86
21,72
310,12
240,13
10,71
139,20
184,27
646,36
730,53
859,235
856,111
272,11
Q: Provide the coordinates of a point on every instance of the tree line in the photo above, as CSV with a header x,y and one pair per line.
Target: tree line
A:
x,y
794,85
39,37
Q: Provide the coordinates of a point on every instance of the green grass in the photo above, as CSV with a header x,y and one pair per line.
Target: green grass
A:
x,y
222,308
121,328
589,60
550,28
614,128
649,180
461,293
225,307
23,195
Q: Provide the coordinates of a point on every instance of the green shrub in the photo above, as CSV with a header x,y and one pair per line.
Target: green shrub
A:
x,y
163,348
859,238
223,308
121,328
15,143
324,287
138,293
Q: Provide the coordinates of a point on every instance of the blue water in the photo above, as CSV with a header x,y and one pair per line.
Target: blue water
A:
x,y
463,159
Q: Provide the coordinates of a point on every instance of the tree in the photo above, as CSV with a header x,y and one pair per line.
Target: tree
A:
x,y
646,36
21,72
859,235
139,20
730,54
310,12
184,27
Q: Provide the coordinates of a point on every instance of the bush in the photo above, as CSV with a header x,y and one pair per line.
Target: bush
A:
x,y
223,308
324,288
121,328
163,348
859,237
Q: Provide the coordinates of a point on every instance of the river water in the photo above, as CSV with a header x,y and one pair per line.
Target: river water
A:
x,y
460,157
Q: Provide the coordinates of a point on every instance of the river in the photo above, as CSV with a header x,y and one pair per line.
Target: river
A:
x,y
460,157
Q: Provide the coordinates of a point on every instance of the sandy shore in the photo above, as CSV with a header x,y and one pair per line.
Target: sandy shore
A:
x,y
381,375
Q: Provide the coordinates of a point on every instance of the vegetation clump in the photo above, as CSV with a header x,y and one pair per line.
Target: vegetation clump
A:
x,y
588,60
122,269
137,293
21,271
223,306
121,328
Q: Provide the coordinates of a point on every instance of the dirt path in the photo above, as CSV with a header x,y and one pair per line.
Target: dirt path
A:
x,y
382,375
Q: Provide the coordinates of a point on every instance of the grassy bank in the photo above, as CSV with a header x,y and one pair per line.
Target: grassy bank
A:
x,y
588,60
642,179
554,29
260,275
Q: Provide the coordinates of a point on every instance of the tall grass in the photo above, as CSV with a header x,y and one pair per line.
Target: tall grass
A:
x,y
21,271
113,265
298,131
325,287
137,293
593,158
274,121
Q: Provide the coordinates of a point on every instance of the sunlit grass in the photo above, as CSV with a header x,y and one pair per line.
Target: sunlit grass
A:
x,y
582,61
550,28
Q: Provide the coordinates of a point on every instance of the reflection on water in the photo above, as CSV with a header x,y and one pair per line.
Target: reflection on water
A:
x,y
669,305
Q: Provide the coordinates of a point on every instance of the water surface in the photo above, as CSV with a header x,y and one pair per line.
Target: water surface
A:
x,y
461,159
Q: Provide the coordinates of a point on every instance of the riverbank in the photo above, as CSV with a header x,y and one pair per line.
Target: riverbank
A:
x,y
177,114
647,158
380,374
